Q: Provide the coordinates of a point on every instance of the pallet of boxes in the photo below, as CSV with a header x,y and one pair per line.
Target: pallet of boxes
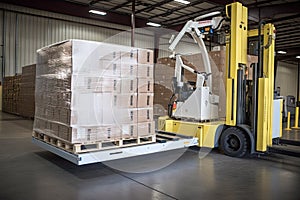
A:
x,y
93,96
27,91
10,95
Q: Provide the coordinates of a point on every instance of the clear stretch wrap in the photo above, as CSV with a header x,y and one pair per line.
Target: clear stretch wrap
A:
x,y
89,91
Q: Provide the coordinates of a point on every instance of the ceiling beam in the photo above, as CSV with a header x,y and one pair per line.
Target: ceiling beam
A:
x,y
178,8
270,11
287,42
78,10
94,2
256,4
180,20
291,32
281,46
152,7
292,49
267,11
284,18
287,28
286,57
220,2
287,37
120,5
273,10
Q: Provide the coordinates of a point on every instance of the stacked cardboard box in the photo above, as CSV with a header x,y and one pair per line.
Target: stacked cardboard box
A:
x,y
89,91
11,90
27,91
251,59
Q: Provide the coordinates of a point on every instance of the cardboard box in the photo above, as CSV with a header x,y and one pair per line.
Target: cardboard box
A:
x,y
65,132
129,130
145,114
86,109
129,85
27,91
145,56
110,132
110,84
251,59
219,48
84,134
11,94
109,68
87,83
145,85
130,56
145,71
54,127
127,100
162,95
114,55
146,128
129,70
119,115
145,100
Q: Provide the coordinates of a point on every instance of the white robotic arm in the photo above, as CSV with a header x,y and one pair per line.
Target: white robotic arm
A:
x,y
197,103
191,25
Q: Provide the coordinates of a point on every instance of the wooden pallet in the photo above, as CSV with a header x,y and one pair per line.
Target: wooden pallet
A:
x,y
94,146
53,141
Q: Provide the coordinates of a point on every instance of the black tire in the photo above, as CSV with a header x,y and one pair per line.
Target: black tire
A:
x,y
234,143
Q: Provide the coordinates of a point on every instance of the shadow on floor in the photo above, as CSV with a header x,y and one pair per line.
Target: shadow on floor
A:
x,y
82,172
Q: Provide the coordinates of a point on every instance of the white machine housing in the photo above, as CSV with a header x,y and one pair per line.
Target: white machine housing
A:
x,y
198,106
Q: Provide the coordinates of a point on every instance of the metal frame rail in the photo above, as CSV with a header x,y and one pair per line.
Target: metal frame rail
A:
x,y
166,143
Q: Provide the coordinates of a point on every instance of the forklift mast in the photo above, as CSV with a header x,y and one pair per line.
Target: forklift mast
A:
x,y
260,128
236,60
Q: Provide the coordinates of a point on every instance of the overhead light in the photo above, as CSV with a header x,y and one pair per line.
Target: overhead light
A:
x,y
298,57
183,1
281,52
97,12
153,24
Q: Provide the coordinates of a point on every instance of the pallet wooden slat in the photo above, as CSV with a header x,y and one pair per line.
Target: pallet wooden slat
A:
x,y
95,146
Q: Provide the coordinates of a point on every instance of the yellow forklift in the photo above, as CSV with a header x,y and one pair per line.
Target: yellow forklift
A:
x,y
238,135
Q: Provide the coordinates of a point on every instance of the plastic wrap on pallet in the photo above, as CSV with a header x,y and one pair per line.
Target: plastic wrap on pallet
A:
x,y
88,91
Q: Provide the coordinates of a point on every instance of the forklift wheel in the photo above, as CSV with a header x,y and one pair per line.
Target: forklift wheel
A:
x,y
234,142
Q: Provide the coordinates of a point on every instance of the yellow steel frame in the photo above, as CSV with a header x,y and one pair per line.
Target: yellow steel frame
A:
x,y
266,85
205,132
236,46
265,90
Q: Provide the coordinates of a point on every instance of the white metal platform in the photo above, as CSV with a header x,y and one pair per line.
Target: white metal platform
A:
x,y
118,153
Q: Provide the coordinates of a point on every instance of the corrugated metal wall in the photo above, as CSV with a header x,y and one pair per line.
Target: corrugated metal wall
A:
x,y
26,30
286,79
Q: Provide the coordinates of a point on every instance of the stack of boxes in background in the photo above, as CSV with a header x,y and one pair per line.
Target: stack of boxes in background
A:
x,y
10,96
89,91
27,91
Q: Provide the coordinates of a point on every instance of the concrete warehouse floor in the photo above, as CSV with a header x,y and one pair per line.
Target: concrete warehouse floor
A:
x,y
29,172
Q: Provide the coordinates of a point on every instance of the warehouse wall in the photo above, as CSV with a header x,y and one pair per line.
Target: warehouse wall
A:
x,y
26,30
287,79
